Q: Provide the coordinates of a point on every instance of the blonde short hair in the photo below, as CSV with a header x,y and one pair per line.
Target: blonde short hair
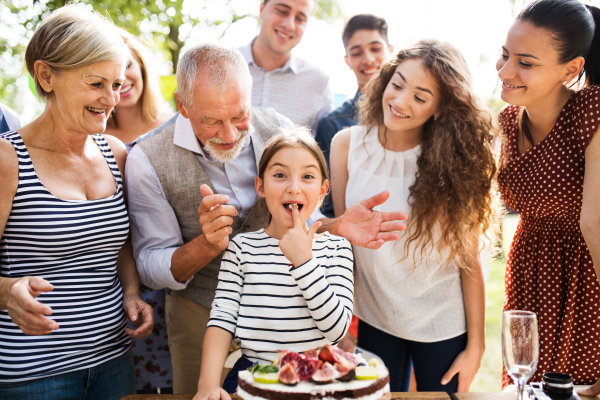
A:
x,y
151,97
71,38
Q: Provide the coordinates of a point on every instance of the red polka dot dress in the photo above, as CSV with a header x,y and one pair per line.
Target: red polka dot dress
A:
x,y
549,269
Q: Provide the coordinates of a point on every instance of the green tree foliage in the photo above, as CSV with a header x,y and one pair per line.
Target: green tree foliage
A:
x,y
162,25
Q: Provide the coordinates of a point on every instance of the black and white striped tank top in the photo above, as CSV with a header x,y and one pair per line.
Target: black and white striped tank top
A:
x,y
73,244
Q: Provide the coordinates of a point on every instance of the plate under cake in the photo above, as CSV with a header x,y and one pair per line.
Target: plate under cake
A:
x,y
374,389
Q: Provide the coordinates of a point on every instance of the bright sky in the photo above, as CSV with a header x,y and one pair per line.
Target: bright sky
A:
x,y
476,27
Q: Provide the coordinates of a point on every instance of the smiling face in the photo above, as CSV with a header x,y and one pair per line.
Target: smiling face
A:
x,y
365,52
220,119
82,99
133,86
292,176
529,68
410,98
283,24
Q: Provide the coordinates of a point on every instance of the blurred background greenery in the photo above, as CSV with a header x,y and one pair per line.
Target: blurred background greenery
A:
x,y
163,26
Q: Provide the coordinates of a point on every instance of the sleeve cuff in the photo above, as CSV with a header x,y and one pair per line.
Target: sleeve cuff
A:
x,y
158,271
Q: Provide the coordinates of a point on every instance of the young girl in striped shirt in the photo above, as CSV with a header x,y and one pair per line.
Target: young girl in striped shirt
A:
x,y
281,287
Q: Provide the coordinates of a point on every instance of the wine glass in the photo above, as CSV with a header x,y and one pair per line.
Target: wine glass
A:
x,y
520,346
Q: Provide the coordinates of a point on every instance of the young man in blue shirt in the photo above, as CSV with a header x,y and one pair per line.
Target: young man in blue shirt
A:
x,y
366,42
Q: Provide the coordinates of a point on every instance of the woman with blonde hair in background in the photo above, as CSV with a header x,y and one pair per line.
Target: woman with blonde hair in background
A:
x,y
140,110
424,136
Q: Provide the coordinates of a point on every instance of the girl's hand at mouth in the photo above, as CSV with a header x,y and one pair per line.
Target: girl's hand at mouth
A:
x,y
296,244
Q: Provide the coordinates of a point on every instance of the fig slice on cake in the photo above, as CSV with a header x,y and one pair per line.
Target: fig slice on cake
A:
x,y
288,375
325,374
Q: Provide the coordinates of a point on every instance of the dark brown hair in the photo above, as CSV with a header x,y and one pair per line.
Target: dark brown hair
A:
x,y
300,137
572,27
453,190
364,21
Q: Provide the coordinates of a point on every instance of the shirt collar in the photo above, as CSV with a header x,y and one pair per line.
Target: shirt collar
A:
x,y
185,138
290,65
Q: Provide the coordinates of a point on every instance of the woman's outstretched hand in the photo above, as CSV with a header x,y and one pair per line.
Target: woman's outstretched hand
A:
x,y
29,314
140,314
365,227
296,244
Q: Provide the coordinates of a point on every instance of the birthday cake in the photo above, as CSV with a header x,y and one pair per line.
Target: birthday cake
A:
x,y
324,373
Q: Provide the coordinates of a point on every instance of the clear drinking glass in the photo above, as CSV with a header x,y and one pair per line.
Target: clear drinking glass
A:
x,y
520,346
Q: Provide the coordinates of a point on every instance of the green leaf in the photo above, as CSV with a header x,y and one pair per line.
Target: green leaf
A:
x,y
265,369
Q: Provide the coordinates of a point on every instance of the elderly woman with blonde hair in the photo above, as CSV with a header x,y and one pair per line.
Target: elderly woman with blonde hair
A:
x,y
66,266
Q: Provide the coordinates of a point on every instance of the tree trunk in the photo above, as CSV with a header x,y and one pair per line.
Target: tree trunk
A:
x,y
174,45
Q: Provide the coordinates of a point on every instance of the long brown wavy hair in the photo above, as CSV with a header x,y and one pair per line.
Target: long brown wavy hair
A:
x,y
453,190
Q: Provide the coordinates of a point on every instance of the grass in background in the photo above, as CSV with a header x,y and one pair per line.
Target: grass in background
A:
x,y
489,377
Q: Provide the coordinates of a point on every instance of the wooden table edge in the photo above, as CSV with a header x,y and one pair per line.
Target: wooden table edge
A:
x,y
395,395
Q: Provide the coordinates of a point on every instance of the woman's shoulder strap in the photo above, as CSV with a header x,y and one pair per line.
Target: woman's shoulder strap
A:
x,y
109,157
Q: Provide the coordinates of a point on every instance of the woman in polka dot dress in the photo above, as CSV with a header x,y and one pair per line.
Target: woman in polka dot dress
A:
x,y
550,174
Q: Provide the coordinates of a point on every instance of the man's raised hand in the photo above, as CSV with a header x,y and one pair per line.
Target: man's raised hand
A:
x,y
215,218
365,227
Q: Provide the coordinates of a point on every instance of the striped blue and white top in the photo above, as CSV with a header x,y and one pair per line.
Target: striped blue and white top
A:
x,y
268,307
72,244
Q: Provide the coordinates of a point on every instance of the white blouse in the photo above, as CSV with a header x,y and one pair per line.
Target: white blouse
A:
x,y
422,304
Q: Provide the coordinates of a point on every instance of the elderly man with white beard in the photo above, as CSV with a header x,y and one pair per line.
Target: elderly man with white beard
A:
x,y
190,185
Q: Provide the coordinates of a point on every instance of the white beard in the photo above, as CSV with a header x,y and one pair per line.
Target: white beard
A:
x,y
225,155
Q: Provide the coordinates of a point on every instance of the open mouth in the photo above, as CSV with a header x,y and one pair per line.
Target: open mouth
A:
x,y
126,89
288,206
370,71
283,35
95,110
397,113
511,86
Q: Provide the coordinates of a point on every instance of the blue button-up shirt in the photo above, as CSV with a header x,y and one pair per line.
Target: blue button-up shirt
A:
x,y
9,121
298,90
342,117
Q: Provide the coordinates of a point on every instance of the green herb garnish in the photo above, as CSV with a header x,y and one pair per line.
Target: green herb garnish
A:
x,y
265,369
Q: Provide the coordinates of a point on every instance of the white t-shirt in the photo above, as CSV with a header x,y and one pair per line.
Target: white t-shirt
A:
x,y
422,304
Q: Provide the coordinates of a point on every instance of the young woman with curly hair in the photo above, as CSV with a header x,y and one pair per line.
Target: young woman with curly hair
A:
x,y
425,137
549,174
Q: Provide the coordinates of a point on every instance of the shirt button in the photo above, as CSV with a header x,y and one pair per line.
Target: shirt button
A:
x,y
237,189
